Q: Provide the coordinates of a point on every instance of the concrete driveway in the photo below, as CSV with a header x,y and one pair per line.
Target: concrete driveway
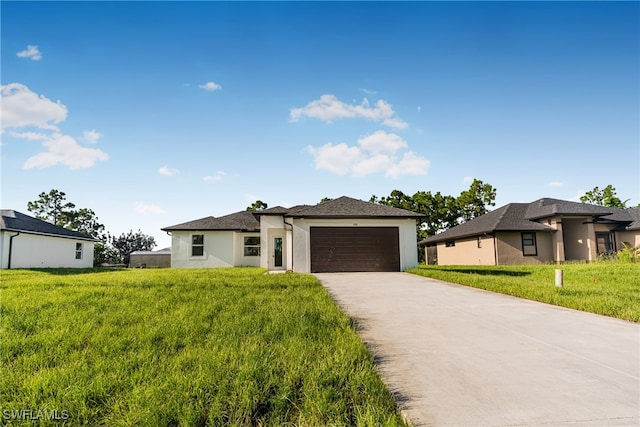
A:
x,y
459,356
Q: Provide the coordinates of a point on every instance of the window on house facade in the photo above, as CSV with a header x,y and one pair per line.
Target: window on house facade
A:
x,y
605,243
479,242
252,246
197,245
529,247
450,243
78,250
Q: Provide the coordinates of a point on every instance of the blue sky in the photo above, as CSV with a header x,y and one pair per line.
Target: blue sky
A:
x,y
157,113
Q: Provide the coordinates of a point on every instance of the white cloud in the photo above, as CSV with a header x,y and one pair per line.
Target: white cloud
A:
x,y
21,107
338,158
382,142
31,52
217,177
375,153
556,184
410,164
211,86
91,136
144,209
64,150
467,180
167,171
329,108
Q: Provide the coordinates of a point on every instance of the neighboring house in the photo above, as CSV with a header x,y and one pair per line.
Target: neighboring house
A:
x,y
547,230
150,259
27,242
343,234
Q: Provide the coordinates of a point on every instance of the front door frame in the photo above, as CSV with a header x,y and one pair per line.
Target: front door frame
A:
x,y
272,236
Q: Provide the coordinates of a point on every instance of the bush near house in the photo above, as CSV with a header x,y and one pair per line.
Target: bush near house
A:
x,y
609,288
183,347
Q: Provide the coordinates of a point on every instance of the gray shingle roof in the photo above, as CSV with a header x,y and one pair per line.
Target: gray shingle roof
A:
x,y
239,221
347,207
524,216
544,208
11,220
342,207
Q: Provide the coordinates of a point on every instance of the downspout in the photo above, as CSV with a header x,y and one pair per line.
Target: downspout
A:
x,y
11,249
495,248
291,225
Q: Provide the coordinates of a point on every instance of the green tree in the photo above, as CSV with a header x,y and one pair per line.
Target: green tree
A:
x,y
473,202
258,205
605,197
441,212
52,207
130,242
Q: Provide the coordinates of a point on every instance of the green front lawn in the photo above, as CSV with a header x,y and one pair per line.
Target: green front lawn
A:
x,y
609,288
183,347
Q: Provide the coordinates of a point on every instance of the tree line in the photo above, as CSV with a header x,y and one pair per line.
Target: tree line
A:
x,y
54,208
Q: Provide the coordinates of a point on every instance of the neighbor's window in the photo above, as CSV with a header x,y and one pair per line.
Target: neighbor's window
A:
x,y
197,245
252,246
529,244
450,243
479,242
78,250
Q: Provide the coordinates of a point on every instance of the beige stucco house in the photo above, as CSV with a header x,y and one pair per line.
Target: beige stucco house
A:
x,y
27,242
343,234
543,231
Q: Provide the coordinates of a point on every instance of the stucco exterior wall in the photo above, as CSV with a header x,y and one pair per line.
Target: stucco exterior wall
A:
x,y
38,251
272,226
301,238
509,249
578,242
239,259
218,249
632,237
467,252
221,249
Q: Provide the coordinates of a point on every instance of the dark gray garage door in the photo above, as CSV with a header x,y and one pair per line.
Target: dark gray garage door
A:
x,y
336,249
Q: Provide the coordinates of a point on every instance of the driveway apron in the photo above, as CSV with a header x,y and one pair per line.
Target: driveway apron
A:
x,y
459,356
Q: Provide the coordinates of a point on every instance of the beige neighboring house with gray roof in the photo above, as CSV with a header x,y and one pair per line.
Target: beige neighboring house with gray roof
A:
x,y
27,242
342,234
543,231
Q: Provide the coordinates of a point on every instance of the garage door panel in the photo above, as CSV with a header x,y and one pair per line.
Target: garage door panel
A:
x,y
354,249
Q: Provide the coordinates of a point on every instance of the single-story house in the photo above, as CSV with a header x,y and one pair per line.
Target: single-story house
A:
x,y
543,231
27,242
342,234
150,259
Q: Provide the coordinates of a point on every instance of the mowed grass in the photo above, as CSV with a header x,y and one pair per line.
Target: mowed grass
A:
x,y
608,288
184,348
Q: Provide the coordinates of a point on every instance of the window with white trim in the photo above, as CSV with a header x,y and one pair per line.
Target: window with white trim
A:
x,y
252,246
197,245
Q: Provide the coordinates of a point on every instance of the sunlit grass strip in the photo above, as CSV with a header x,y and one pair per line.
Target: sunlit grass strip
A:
x,y
184,347
608,288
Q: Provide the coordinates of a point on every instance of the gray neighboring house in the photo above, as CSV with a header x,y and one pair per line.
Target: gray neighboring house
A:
x,y
150,259
543,231
27,242
342,234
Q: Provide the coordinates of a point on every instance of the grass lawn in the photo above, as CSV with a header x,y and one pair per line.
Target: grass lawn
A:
x,y
609,288
173,347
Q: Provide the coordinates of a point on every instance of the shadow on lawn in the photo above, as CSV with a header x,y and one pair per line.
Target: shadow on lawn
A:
x,y
486,272
73,271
